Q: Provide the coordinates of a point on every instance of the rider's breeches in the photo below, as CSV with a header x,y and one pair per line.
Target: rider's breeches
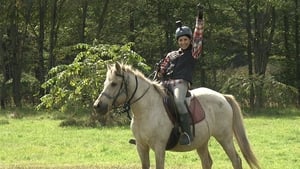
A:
x,y
179,91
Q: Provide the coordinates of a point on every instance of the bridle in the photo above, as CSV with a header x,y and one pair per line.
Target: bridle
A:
x,y
121,90
126,105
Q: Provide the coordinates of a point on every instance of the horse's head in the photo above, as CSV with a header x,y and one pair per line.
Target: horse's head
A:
x,y
114,92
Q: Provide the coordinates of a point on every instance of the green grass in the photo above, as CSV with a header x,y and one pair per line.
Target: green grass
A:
x,y
39,142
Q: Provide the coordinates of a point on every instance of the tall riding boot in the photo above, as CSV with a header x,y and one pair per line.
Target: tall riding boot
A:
x,y
186,137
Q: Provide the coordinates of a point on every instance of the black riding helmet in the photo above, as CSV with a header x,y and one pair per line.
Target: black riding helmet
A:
x,y
182,30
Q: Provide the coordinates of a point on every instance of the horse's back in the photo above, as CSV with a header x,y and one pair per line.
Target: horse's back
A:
x,y
211,97
206,92
218,111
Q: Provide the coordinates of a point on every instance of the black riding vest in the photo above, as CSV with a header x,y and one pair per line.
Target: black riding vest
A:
x,y
184,66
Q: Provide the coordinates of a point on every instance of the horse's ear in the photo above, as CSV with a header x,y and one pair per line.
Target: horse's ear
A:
x,y
108,66
118,67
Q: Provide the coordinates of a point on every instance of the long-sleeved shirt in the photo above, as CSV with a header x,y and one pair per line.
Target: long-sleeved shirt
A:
x,y
180,64
198,38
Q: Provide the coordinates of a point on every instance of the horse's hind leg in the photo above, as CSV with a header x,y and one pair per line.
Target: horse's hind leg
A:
x,y
205,157
143,152
229,148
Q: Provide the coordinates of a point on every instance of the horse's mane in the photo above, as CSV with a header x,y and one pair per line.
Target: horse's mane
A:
x,y
155,84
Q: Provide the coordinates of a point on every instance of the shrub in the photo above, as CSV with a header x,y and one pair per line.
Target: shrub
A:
x,y
276,94
73,88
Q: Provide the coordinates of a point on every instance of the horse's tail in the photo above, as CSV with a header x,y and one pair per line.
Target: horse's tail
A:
x,y
240,133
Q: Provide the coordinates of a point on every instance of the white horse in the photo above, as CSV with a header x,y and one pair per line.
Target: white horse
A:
x,y
151,125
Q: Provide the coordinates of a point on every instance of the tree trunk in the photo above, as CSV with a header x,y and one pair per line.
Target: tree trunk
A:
x,y
286,28
53,19
15,56
17,42
40,70
263,22
102,17
4,62
83,21
131,37
297,8
249,54
2,55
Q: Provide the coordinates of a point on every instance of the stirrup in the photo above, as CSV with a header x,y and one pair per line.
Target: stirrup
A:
x,y
184,134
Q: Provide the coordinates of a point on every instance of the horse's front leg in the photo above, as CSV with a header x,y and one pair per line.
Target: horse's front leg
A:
x,y
143,151
160,157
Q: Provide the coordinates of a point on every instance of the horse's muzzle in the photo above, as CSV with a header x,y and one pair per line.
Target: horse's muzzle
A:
x,y
100,108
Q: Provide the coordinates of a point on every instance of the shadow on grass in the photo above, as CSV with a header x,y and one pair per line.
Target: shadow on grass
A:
x,y
84,119
76,167
103,166
288,113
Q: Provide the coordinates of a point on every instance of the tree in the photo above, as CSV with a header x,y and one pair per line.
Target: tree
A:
x,y
264,25
39,35
290,74
56,5
4,58
73,88
40,66
297,44
259,22
101,16
15,53
4,68
84,8
249,52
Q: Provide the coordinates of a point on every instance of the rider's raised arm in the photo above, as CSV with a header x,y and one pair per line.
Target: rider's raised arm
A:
x,y
198,33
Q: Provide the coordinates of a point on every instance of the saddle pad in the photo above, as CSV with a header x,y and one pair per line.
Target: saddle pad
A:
x,y
197,114
196,111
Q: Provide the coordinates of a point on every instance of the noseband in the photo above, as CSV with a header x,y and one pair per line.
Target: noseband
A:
x,y
126,106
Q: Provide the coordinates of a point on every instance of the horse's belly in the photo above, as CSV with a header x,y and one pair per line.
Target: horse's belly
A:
x,y
201,137
151,134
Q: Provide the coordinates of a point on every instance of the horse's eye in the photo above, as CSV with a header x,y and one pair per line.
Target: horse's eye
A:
x,y
113,84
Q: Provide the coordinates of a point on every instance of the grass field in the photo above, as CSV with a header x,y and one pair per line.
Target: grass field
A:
x,y
39,142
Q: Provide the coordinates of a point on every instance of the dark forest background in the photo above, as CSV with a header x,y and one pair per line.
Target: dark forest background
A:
x,y
53,52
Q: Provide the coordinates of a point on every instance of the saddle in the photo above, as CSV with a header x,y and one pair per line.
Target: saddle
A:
x,y
194,108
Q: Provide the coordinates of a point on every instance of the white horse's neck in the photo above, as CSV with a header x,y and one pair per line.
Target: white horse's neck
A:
x,y
149,114
146,99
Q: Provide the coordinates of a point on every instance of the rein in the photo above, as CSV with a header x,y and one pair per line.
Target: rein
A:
x,y
126,106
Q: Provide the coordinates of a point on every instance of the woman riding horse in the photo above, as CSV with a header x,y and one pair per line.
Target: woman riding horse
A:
x,y
177,67
151,125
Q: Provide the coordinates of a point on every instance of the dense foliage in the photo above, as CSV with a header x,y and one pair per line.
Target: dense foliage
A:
x,y
74,87
251,47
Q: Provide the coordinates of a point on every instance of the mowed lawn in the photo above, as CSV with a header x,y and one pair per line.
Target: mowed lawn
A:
x,y
33,142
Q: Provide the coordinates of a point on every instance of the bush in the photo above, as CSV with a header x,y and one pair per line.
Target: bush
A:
x,y
276,94
73,88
